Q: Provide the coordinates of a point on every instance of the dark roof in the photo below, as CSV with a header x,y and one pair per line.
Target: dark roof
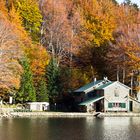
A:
x,y
98,85
90,85
133,99
105,85
92,100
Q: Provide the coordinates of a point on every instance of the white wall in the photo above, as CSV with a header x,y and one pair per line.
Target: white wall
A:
x,y
110,93
38,106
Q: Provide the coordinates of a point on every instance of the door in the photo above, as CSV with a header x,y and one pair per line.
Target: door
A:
x,y
131,105
98,106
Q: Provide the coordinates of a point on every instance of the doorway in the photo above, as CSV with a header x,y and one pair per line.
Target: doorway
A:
x,y
98,106
131,106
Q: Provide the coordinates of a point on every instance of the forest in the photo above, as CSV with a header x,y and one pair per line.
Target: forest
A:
x,y
48,48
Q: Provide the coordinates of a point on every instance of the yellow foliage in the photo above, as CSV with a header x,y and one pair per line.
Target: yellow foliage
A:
x,y
16,21
98,21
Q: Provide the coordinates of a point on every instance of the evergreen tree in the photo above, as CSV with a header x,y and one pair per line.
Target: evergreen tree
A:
x,y
53,79
27,90
42,95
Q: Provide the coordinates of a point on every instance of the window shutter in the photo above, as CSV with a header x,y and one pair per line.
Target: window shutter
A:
x,y
123,105
110,105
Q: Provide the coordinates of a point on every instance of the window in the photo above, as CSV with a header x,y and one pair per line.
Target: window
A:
x,y
110,105
123,105
120,105
116,92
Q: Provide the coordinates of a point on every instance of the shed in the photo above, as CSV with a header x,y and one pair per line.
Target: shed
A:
x,y
38,106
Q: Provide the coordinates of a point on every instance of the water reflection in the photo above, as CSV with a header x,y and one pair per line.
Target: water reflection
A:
x,y
70,128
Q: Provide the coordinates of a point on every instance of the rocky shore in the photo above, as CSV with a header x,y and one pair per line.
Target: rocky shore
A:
x,y
7,113
51,114
119,114
64,114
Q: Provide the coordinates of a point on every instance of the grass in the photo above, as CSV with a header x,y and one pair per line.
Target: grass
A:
x,y
8,106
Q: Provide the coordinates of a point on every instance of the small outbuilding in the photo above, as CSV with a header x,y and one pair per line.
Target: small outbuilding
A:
x,y
38,106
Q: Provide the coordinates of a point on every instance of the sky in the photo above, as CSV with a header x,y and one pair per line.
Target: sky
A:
x,y
133,1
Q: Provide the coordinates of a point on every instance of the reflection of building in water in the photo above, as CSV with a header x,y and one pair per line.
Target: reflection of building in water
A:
x,y
123,121
105,95
117,128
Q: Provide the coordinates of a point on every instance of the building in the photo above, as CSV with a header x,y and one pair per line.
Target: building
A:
x,y
103,96
38,106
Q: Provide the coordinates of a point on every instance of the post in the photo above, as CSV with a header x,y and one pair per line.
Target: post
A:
x,y
131,83
10,99
138,90
117,73
0,101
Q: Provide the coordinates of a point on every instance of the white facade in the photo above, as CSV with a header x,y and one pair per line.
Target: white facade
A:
x,y
116,97
38,106
104,95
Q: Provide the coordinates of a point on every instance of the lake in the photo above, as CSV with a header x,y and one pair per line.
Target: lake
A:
x,y
114,128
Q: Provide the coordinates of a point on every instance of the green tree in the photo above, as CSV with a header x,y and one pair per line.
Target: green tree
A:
x,y
53,80
27,90
42,95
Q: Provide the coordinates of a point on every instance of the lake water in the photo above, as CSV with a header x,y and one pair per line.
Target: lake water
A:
x,y
115,128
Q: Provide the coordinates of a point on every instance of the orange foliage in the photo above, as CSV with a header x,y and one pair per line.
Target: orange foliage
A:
x,y
39,59
10,53
3,10
16,21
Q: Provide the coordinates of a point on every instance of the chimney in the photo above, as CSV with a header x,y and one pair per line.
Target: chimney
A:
x,y
95,79
105,78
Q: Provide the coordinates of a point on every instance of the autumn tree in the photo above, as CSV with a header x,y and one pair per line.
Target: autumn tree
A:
x,y
39,60
124,49
61,37
16,33
16,21
57,33
98,25
10,53
3,10
31,17
98,21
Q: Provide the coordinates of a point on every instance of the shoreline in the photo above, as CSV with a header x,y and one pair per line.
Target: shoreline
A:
x,y
67,114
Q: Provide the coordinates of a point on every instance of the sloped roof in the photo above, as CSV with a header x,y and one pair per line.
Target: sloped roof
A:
x,y
131,98
105,85
90,85
92,100
98,85
122,84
